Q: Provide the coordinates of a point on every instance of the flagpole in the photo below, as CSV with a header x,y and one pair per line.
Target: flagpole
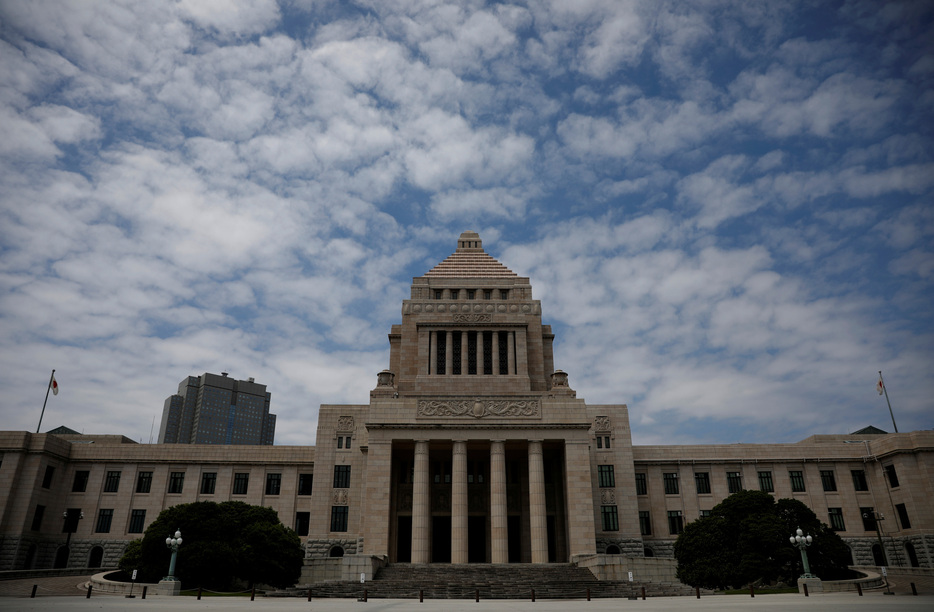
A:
x,y
51,378
886,391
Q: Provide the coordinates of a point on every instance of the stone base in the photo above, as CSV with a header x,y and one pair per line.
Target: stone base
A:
x,y
814,585
169,587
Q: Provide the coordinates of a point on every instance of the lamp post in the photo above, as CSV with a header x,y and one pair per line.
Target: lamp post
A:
x,y
173,542
802,541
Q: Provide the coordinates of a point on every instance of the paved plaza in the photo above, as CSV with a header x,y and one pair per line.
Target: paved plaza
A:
x,y
66,593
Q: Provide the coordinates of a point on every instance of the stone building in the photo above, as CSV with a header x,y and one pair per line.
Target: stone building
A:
x,y
472,448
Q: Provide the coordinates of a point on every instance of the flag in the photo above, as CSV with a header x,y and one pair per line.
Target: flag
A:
x,y
54,385
879,386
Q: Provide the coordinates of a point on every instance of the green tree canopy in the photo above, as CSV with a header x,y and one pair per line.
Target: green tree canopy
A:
x,y
222,543
745,539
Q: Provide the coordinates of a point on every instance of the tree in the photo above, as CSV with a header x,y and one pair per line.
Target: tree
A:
x,y
222,543
745,539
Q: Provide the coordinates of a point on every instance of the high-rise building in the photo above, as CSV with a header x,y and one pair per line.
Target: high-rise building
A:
x,y
212,409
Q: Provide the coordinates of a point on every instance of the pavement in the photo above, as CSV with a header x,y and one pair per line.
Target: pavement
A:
x,y
69,593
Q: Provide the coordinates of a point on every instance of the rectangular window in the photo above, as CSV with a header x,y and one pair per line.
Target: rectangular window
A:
x,y
208,482
347,442
487,294
504,294
302,519
339,518
241,483
704,513
341,477
112,482
304,484
836,519
702,481
891,475
176,482
273,484
453,294
734,482
797,481
675,522
143,482
438,294
641,486
471,294
37,518
645,522
671,483
610,518
340,442
828,480
606,476
80,484
859,480
104,518
903,516
765,482
137,521
606,441
869,518
599,442
47,479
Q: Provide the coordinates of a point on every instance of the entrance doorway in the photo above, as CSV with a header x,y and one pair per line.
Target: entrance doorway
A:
x,y
514,534
404,540
441,539
476,539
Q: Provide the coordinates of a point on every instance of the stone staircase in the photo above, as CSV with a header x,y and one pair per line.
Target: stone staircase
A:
x,y
514,581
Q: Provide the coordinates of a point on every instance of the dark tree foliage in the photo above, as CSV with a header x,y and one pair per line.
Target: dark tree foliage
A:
x,y
221,544
745,540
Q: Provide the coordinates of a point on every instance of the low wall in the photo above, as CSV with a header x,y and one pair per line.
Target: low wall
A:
x,y
644,569
101,585
348,567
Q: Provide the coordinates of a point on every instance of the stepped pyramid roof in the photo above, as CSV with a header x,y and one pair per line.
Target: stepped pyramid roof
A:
x,y
470,261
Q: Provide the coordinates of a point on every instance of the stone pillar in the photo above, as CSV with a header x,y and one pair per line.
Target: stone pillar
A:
x,y
421,508
459,503
537,520
480,362
377,500
495,353
448,351
579,493
465,367
511,351
499,542
433,354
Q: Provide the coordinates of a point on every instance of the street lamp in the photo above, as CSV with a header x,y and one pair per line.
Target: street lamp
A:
x,y
71,516
802,541
173,542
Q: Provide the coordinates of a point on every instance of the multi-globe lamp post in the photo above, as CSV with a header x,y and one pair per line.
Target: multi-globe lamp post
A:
x,y
172,543
802,541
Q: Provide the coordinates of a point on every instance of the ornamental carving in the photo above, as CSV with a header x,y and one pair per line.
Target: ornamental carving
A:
x,y
341,497
473,318
601,423
345,423
480,408
607,496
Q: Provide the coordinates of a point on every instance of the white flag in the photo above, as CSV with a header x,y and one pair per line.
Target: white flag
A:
x,y
54,385
879,386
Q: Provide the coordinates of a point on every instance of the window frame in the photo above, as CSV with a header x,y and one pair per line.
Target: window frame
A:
x,y
208,478
702,478
765,481
734,482
835,516
80,482
642,485
798,484
891,475
645,522
112,481
339,518
675,522
828,481
176,483
606,476
137,521
273,483
241,481
609,518
341,477
143,481
304,489
105,518
860,482
670,480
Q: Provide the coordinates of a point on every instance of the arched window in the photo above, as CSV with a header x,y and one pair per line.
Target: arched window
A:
x,y
336,551
612,549
912,555
96,557
648,552
61,557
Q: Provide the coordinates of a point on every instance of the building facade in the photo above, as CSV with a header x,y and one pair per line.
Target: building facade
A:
x,y
472,448
212,409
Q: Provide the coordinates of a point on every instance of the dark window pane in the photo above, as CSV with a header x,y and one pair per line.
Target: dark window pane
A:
x,y
137,521
80,484
702,480
104,519
208,482
273,484
641,486
143,482
112,482
304,484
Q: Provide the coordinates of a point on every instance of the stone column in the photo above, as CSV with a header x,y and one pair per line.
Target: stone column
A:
x,y
495,353
499,541
421,508
378,485
537,520
579,492
448,351
480,362
459,503
465,367
433,354
511,352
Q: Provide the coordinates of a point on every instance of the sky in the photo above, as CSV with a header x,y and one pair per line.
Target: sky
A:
x,y
725,207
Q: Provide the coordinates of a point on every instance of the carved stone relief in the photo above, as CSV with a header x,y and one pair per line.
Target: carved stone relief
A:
x,y
345,423
607,496
601,423
480,407
473,318
341,497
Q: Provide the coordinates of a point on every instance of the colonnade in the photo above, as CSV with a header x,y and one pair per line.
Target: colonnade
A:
x,y
421,503
480,351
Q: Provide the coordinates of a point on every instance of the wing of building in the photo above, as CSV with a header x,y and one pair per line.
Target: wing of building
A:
x,y
472,448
